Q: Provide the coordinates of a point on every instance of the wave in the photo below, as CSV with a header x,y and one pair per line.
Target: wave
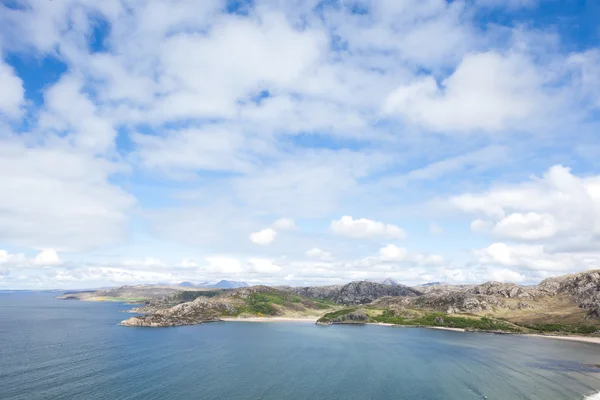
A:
x,y
593,397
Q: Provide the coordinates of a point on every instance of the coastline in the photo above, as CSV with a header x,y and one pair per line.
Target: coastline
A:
x,y
271,319
586,339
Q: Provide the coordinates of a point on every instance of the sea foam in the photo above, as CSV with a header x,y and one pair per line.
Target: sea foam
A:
x,y
593,397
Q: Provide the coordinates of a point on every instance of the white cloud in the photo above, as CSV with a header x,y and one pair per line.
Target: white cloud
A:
x,y
12,93
556,208
69,109
263,266
319,254
47,257
366,228
218,122
487,92
263,237
506,275
526,226
392,253
59,198
536,258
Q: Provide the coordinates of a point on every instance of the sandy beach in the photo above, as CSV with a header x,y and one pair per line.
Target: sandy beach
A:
x,y
587,339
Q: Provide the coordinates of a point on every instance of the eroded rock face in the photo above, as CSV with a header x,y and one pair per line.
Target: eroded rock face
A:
x,y
365,292
457,302
509,290
194,312
360,292
584,288
354,317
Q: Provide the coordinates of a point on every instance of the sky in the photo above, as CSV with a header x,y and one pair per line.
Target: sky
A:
x,y
298,142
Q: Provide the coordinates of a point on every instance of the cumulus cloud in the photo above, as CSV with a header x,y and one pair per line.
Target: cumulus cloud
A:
x,y
487,91
557,207
187,123
365,228
59,198
47,257
392,253
263,237
536,258
267,235
12,93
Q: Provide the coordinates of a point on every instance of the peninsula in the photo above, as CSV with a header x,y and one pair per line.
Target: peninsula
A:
x,y
565,305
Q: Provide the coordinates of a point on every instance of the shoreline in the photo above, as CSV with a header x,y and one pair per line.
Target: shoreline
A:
x,y
585,339
271,319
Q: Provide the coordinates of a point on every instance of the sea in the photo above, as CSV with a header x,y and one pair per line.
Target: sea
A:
x,y
65,349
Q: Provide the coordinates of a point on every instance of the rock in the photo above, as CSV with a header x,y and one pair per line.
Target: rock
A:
x,y
354,293
352,317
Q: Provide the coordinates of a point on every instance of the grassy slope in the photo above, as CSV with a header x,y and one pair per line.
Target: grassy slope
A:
x,y
464,321
281,303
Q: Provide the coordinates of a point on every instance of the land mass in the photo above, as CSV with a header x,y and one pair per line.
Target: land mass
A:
x,y
565,305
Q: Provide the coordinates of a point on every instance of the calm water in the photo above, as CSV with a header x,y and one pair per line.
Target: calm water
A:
x,y
52,349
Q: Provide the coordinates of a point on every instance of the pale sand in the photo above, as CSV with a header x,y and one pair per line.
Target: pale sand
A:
x,y
271,319
586,339
446,329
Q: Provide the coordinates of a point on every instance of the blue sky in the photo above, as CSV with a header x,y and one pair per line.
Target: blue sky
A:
x,y
297,142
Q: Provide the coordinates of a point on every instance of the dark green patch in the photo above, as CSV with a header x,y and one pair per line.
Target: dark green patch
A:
x,y
559,328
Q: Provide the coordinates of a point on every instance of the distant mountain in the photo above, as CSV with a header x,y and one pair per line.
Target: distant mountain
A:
x,y
389,281
187,284
224,284
435,284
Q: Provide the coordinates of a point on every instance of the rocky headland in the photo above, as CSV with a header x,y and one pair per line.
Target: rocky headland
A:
x,y
567,304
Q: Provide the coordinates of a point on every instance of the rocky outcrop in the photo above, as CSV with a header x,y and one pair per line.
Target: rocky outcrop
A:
x,y
365,292
509,290
583,288
359,292
194,312
315,292
457,302
358,316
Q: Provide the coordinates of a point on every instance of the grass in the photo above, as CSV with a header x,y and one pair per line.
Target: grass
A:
x,y
468,322
443,320
429,319
560,328
335,314
268,303
190,295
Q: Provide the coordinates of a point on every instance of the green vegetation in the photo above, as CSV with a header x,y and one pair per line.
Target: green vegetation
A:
x,y
443,320
190,295
262,303
323,304
428,319
559,328
468,322
335,314
265,303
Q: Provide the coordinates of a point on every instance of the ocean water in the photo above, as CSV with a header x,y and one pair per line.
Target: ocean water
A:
x,y
57,349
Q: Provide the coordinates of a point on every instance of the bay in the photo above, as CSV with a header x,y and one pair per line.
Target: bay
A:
x,y
57,349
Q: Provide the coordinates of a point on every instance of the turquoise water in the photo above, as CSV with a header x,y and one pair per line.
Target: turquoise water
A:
x,y
53,349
